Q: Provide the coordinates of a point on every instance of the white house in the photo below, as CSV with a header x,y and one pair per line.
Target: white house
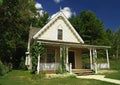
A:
x,y
59,34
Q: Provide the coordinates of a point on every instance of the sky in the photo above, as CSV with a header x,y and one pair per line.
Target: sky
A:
x,y
108,11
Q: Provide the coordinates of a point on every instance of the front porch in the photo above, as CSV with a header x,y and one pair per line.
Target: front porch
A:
x,y
50,60
73,57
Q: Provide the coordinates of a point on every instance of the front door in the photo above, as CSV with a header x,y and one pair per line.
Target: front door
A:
x,y
71,58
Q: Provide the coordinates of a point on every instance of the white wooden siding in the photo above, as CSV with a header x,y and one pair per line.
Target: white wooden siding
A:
x,y
51,33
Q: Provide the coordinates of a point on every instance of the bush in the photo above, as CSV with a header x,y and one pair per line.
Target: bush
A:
x,y
59,70
36,49
3,69
22,64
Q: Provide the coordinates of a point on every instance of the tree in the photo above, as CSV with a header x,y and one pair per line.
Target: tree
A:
x,y
15,19
109,37
109,41
90,28
116,42
1,1
40,20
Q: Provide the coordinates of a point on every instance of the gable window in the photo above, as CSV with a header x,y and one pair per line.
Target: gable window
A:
x,y
60,34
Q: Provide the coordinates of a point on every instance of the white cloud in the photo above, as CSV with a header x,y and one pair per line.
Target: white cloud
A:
x,y
57,1
67,12
38,6
40,12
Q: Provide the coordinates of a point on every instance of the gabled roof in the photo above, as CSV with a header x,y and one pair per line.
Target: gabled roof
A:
x,y
59,14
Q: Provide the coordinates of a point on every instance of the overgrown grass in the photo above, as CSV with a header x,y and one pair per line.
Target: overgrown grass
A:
x,y
25,78
115,66
115,75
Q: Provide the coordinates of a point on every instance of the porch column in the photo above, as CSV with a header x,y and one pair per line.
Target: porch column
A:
x,y
107,58
60,52
70,68
66,55
38,65
91,59
95,60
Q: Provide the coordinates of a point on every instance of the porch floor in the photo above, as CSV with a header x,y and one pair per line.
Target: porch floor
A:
x,y
82,71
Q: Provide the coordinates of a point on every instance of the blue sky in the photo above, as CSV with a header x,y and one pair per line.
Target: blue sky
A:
x,y
106,10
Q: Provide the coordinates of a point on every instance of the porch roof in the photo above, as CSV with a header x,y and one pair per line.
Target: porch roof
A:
x,y
71,44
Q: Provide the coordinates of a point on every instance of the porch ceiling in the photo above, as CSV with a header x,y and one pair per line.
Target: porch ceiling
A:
x,y
71,44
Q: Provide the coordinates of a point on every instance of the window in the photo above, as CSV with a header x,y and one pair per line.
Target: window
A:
x,y
60,34
50,55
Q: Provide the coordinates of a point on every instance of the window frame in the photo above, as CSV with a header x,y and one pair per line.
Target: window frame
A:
x,y
60,34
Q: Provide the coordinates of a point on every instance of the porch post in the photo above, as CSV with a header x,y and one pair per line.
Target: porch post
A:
x,y
107,58
38,65
95,60
70,68
66,55
60,52
91,59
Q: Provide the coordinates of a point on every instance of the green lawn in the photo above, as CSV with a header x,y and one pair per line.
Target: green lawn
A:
x,y
18,77
115,75
115,66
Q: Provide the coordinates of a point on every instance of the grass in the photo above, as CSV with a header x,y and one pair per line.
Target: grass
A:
x,y
115,75
115,66
18,77
114,71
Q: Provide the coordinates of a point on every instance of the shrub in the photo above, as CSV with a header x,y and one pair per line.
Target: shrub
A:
x,y
59,70
3,69
22,63
36,49
62,68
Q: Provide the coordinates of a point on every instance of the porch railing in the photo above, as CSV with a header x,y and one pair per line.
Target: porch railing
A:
x,y
101,66
52,66
49,66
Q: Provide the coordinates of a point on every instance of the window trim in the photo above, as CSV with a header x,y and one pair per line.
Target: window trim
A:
x,y
60,34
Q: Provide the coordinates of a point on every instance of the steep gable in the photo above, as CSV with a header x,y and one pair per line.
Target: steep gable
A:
x,y
50,30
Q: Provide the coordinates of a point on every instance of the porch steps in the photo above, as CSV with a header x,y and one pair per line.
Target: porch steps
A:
x,y
81,72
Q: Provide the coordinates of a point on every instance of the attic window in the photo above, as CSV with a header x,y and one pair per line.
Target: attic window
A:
x,y
60,34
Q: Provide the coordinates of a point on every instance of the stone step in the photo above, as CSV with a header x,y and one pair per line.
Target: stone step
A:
x,y
82,71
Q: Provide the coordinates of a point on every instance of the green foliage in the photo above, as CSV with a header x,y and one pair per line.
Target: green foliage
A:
x,y
15,18
116,43
90,28
59,70
36,49
63,58
40,20
1,1
22,63
3,69
62,68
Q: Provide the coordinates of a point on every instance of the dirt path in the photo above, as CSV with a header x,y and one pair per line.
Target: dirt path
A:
x,y
100,77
